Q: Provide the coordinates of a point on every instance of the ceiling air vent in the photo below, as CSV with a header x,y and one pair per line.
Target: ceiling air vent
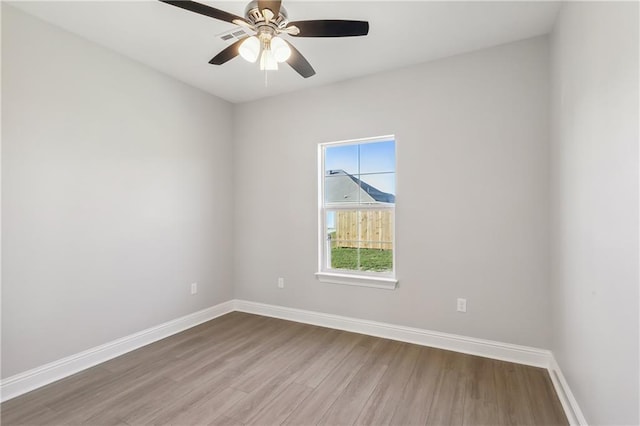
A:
x,y
233,35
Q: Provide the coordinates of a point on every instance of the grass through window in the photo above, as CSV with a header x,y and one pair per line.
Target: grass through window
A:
x,y
370,259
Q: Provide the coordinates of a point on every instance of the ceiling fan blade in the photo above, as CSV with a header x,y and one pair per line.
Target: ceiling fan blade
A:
x,y
331,28
227,54
272,5
299,63
205,10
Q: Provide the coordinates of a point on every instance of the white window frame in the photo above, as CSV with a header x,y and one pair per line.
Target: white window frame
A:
x,y
384,280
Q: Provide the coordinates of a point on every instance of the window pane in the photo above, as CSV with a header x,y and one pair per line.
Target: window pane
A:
x,y
362,259
343,237
341,188
378,157
331,223
375,228
341,158
346,227
360,240
376,259
380,187
375,245
344,258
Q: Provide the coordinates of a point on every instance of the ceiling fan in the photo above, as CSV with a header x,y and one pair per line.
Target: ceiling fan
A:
x,y
268,19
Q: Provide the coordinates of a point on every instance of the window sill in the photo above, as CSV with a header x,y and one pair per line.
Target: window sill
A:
x,y
358,280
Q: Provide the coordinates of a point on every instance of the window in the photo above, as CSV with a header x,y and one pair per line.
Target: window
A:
x,y
357,187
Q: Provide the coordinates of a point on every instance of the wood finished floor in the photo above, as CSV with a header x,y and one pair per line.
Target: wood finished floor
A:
x,y
248,369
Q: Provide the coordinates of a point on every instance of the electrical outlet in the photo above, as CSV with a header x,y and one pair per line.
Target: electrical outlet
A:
x,y
462,305
194,288
280,282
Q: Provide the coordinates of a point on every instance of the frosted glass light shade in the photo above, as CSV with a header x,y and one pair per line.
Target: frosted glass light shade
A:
x,y
280,48
268,61
250,49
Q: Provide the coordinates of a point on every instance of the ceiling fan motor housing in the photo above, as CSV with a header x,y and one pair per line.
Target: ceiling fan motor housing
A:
x,y
254,15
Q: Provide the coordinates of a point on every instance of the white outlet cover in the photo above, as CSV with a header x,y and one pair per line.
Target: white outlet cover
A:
x,y
462,305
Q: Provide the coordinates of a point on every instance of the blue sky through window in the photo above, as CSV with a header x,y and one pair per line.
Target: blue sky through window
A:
x,y
373,163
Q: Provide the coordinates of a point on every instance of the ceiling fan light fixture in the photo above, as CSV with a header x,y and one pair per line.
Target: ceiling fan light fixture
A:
x,y
268,60
268,19
250,49
281,50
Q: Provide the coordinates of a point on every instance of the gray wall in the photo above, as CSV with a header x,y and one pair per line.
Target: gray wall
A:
x,y
472,214
595,207
115,195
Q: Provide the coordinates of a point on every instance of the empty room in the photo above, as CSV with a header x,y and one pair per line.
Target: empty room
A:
x,y
320,212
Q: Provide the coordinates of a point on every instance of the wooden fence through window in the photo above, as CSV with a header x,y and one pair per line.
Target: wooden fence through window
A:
x,y
376,229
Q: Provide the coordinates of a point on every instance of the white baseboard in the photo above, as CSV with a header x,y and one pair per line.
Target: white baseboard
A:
x,y
32,379
568,401
469,345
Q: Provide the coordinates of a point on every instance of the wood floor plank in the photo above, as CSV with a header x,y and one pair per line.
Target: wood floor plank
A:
x,y
231,353
417,396
512,396
543,399
380,407
204,410
246,369
277,381
231,340
147,396
314,373
225,421
181,397
27,414
85,402
313,408
480,404
258,398
346,409
275,355
280,407
447,406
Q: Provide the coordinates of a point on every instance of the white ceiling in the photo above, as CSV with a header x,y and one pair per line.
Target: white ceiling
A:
x,y
180,43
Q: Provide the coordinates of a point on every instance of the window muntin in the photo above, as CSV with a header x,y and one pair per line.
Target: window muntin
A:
x,y
357,207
